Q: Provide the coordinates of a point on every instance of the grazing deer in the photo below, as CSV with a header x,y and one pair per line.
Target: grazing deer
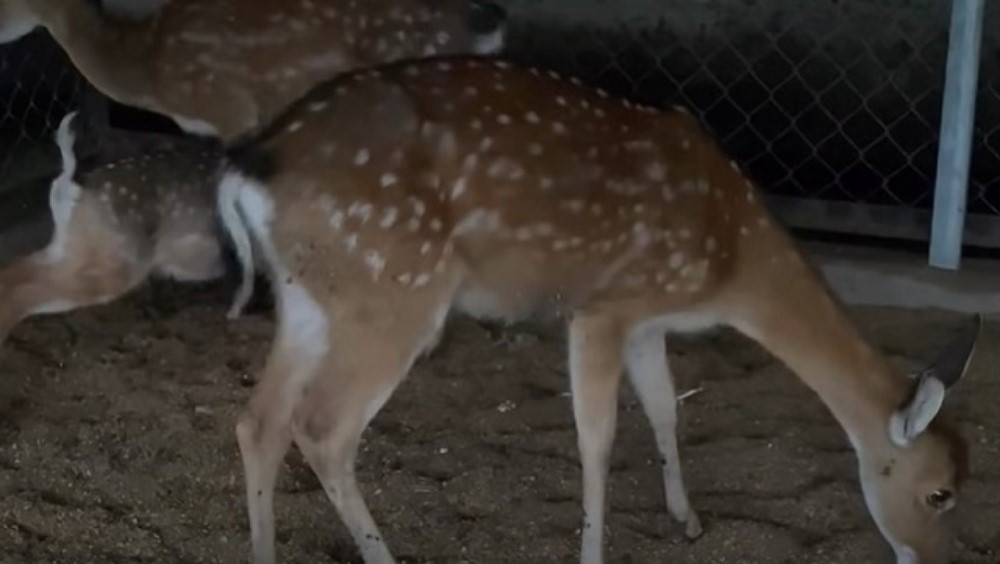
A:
x,y
223,68
116,225
390,197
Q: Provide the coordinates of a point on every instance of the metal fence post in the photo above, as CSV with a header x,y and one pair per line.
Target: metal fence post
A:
x,y
957,126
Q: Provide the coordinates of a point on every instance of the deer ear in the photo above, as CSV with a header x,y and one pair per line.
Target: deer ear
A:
x,y
931,385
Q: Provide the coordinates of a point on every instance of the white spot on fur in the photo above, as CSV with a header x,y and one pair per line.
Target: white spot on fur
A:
x,y
389,217
375,262
388,179
337,220
676,260
362,211
418,206
656,172
459,188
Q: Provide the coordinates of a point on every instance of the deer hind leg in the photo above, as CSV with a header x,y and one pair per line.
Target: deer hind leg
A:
x,y
79,266
374,347
25,289
264,428
595,352
649,373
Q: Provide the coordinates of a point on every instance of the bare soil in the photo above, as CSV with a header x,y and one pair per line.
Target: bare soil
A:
x,y
117,446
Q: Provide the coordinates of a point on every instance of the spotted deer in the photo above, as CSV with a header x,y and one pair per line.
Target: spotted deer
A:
x,y
116,225
223,68
391,197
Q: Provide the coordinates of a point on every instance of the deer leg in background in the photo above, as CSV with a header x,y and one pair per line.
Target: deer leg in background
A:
x,y
649,373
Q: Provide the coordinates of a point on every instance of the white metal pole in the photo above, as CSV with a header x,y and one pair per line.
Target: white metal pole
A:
x,y
957,125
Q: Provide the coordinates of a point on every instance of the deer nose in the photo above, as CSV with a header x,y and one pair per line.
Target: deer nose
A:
x,y
486,17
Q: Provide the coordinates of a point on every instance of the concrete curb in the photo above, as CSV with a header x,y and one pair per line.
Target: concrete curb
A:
x,y
879,277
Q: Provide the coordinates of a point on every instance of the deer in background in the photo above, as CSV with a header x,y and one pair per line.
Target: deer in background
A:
x,y
116,225
224,68
391,197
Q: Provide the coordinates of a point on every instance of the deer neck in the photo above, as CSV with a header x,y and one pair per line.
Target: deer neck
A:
x,y
788,308
108,55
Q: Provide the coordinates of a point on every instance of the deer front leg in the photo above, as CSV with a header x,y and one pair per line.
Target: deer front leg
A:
x,y
649,373
595,364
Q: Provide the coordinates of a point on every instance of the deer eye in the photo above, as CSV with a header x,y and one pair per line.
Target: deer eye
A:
x,y
939,499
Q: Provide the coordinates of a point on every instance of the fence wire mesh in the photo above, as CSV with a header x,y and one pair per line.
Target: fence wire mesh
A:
x,y
840,101
837,102
38,86
984,185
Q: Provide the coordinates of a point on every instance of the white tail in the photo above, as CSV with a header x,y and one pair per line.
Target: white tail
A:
x,y
396,195
223,68
116,225
229,215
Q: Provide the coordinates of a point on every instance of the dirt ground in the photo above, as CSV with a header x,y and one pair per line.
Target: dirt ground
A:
x,y
117,445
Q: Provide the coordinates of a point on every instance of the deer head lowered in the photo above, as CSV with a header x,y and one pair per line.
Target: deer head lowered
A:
x,y
388,198
223,68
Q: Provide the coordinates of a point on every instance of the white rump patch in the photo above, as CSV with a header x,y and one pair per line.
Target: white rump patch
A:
x,y
304,328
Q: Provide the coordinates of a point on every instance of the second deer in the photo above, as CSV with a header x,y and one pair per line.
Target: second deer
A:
x,y
114,226
390,198
224,68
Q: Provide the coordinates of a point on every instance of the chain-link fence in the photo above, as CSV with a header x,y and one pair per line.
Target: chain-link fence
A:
x,y
833,108
984,188
38,86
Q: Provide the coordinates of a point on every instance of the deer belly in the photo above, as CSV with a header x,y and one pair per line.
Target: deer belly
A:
x,y
516,286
